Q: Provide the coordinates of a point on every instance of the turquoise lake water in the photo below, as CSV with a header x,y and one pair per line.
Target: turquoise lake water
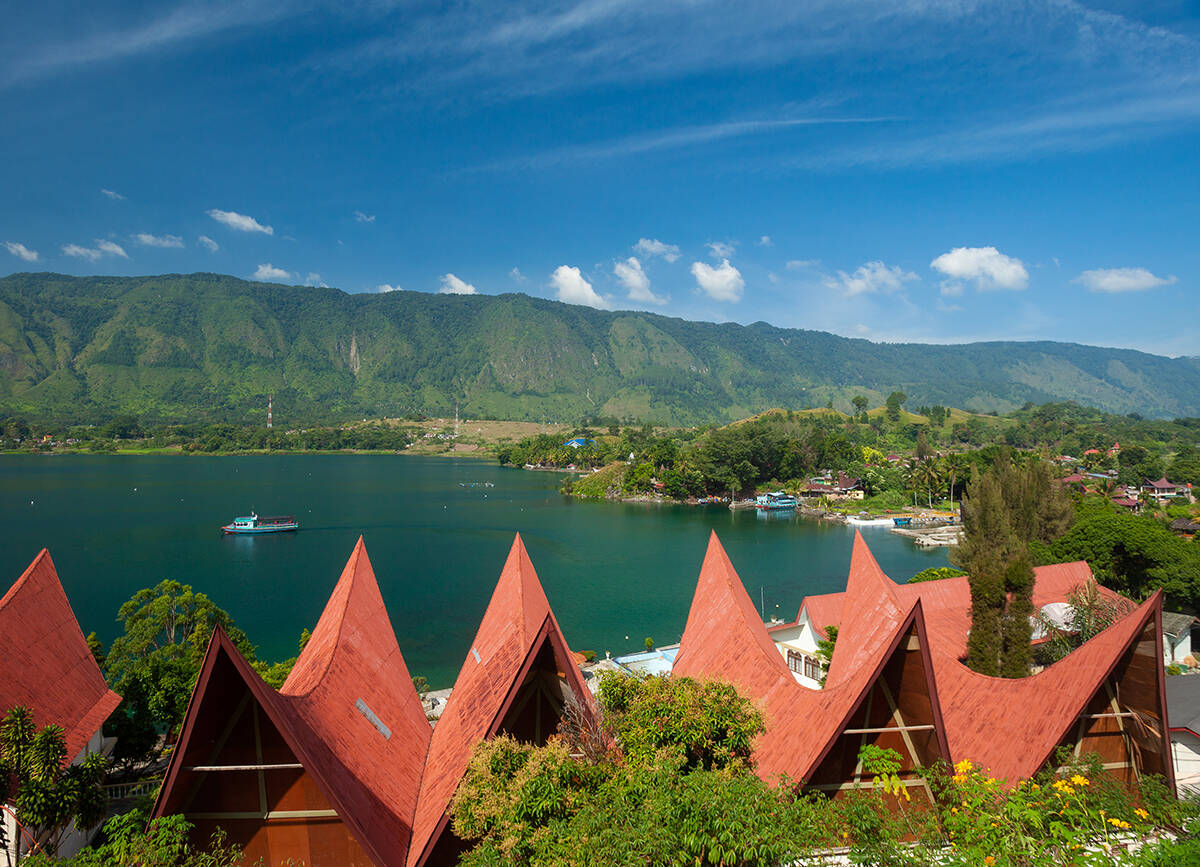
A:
x,y
116,524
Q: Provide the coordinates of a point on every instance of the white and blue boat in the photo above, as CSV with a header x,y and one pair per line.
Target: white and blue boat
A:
x,y
775,500
252,524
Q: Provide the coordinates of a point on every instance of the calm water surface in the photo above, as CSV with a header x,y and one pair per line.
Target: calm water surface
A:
x,y
116,524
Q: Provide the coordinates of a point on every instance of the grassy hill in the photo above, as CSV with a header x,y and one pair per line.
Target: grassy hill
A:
x,y
207,346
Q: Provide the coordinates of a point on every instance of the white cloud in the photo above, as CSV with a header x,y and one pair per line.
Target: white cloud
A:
x,y
21,251
987,266
92,254
862,329
635,281
314,279
516,274
1122,280
385,287
572,288
364,218
765,241
148,240
208,244
871,277
722,283
654,247
797,264
115,196
267,271
452,285
239,222
950,289
112,249
81,252
720,250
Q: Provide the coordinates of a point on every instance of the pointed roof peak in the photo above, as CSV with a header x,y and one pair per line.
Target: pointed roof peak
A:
x,y
871,608
519,586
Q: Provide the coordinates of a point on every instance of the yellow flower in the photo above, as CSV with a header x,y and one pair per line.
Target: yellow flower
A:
x,y
989,860
1142,814
1080,780
963,767
1119,823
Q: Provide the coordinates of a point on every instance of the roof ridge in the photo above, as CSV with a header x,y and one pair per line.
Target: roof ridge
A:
x,y
24,576
336,606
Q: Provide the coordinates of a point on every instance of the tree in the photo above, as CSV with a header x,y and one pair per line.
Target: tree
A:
x,y
49,797
936,573
1006,510
893,403
860,404
924,449
154,663
164,842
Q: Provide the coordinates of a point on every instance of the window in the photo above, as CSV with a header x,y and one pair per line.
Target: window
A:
x,y
812,668
794,660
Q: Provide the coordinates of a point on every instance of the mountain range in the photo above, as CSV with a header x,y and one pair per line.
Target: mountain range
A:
x,y
209,347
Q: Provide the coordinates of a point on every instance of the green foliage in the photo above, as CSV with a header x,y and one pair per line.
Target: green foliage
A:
x,y
129,842
154,663
702,724
48,797
1008,508
825,648
936,573
1133,555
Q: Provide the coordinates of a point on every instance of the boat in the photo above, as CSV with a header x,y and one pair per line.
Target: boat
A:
x,y
252,524
775,500
903,522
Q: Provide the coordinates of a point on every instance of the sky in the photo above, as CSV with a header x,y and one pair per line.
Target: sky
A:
x,y
910,170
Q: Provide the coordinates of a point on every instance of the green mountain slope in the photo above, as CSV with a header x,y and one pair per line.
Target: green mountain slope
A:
x,y
206,346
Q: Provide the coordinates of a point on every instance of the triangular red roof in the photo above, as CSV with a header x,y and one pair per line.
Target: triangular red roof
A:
x,y
726,640
871,610
48,666
986,717
348,711
517,622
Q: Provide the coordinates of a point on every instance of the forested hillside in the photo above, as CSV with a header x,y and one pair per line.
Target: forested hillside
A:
x,y
211,347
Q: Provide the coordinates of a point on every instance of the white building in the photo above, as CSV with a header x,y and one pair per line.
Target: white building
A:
x,y
1183,721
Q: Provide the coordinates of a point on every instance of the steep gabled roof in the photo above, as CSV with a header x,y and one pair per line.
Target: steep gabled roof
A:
x,y
57,678
726,640
871,611
517,624
351,671
1011,726
348,711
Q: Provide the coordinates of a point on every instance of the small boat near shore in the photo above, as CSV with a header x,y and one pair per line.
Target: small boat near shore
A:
x,y
775,500
253,525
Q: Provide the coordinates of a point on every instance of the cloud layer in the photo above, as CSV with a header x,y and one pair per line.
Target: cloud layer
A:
x,y
1122,280
722,283
871,277
986,266
21,251
239,222
636,281
653,247
148,240
571,287
267,271
92,254
452,285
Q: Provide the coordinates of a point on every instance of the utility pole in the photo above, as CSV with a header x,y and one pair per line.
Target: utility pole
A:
x,y
270,401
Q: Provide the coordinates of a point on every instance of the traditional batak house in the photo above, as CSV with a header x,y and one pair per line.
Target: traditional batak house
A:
x,y
48,667
879,690
341,766
897,679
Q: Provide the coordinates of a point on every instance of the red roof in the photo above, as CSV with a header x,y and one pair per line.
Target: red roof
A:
x,y
57,678
367,765
986,716
516,625
1073,479
725,639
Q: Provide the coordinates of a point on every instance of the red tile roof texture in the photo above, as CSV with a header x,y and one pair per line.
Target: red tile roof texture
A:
x,y
352,656
517,620
986,716
725,639
47,665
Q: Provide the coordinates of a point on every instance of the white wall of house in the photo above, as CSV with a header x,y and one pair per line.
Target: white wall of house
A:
x,y
1185,752
1177,649
797,644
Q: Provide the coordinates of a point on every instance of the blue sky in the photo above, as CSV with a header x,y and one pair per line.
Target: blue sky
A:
x,y
917,171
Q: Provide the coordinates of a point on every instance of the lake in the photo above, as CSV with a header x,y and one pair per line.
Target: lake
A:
x,y
115,524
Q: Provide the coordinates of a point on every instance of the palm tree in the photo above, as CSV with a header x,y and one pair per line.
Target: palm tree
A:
x,y
928,477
